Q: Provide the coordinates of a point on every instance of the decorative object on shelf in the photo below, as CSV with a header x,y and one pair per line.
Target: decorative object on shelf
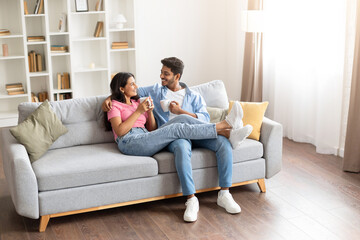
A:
x,y
63,80
81,5
119,45
14,88
5,49
35,38
98,29
98,5
39,6
26,12
4,32
59,48
43,96
119,21
92,65
62,23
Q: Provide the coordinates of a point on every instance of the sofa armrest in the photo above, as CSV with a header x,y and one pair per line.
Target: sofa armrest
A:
x,y
20,176
271,136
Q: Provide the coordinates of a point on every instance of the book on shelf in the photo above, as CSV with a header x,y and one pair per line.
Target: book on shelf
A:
x,y
59,48
34,98
63,80
39,6
4,32
98,5
64,96
119,45
35,62
35,38
14,88
26,12
98,29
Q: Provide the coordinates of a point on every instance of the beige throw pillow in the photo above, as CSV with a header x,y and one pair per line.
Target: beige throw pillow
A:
x,y
39,130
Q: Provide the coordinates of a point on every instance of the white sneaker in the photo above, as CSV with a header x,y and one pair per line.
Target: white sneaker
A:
x,y
234,118
192,208
226,201
239,135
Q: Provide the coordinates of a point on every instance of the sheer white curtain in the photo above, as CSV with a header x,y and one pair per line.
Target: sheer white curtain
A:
x,y
303,58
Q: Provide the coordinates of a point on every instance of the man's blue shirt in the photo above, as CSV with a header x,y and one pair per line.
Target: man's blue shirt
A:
x,y
193,102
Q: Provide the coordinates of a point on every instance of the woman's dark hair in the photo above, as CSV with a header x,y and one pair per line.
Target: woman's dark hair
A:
x,y
118,81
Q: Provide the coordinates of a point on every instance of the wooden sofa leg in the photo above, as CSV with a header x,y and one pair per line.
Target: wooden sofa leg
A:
x,y
261,184
44,222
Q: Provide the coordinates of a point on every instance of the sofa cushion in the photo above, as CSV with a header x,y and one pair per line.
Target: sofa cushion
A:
x,y
204,158
82,117
39,130
214,94
89,164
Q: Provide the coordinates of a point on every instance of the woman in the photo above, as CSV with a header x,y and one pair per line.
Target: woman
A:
x,y
128,118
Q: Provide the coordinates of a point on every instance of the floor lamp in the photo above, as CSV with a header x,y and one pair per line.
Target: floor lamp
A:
x,y
253,21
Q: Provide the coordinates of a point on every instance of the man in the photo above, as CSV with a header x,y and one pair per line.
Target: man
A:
x,y
185,101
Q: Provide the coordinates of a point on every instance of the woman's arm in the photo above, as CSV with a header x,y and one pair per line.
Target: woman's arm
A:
x,y
122,128
150,121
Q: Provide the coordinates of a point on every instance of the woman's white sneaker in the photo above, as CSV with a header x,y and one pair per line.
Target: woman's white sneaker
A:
x,y
226,201
192,209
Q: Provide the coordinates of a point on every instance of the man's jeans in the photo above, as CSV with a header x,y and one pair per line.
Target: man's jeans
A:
x,y
182,151
138,141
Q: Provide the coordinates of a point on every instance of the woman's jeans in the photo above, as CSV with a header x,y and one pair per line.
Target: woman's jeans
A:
x,y
140,142
182,151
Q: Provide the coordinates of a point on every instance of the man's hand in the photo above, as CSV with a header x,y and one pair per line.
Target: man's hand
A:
x,y
175,108
106,105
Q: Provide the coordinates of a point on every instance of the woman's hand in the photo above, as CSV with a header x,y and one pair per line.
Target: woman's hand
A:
x,y
146,105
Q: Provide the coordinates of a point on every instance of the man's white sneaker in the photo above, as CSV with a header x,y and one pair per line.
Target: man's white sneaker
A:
x,y
239,135
234,118
192,209
226,201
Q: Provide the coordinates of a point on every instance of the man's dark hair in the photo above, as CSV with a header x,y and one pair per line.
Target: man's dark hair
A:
x,y
175,64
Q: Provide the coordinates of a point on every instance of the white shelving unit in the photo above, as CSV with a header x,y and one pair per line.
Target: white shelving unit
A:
x,y
90,61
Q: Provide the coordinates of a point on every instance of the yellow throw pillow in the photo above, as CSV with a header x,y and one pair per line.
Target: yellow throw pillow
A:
x,y
253,115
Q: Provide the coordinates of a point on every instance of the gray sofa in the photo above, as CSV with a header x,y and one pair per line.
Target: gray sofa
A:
x,y
84,171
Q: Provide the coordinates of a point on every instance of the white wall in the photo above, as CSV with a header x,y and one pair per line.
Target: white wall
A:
x,y
204,34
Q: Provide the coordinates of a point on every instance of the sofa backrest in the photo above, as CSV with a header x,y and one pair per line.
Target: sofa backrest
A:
x,y
83,118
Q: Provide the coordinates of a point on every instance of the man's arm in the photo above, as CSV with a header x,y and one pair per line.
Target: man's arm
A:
x,y
199,107
175,108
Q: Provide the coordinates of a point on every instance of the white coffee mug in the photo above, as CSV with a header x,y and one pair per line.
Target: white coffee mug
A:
x,y
165,105
143,99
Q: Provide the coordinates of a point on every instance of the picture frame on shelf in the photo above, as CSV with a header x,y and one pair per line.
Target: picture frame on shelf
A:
x,y
62,23
81,6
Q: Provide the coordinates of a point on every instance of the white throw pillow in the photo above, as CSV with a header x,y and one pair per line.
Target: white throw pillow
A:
x,y
214,94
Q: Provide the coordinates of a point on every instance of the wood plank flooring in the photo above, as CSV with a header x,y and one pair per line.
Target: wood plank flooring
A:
x,y
311,198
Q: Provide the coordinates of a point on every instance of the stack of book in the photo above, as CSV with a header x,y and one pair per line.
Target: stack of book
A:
x,y
39,6
98,29
4,32
35,62
14,88
63,80
119,45
35,38
59,48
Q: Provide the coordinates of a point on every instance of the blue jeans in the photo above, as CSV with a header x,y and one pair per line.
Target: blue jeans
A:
x,y
140,142
182,151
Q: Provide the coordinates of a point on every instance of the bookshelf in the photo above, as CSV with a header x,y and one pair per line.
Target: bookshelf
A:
x,y
90,61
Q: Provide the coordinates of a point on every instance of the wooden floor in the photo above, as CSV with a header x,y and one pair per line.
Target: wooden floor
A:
x,y
311,198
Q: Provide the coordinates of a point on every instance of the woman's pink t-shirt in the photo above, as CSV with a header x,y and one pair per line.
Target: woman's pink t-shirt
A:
x,y
124,111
